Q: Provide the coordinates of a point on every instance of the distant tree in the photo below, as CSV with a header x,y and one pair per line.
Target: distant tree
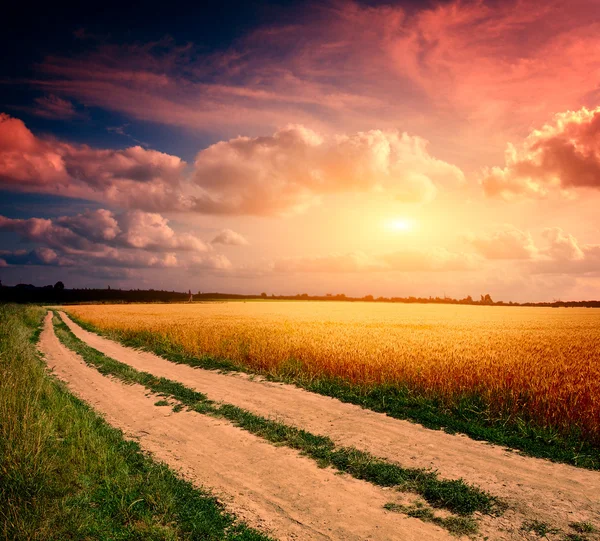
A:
x,y
59,286
486,299
368,297
263,295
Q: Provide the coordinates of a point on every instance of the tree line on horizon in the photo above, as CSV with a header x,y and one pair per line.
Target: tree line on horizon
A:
x,y
57,293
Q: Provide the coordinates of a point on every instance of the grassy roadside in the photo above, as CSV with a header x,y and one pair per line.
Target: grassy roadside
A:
x,y
453,495
66,474
469,416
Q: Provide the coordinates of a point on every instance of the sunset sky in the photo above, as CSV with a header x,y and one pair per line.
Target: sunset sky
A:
x,y
409,148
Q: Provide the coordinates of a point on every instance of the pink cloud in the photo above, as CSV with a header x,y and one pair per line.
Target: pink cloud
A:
x,y
151,231
279,174
132,177
506,243
487,57
227,236
466,64
293,168
562,155
565,247
97,225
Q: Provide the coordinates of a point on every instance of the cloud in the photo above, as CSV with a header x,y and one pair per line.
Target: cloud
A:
x,y
54,107
38,256
96,225
564,254
134,177
44,231
558,252
227,236
100,238
350,62
152,232
562,246
93,230
426,260
210,262
295,167
272,175
562,155
506,243
114,257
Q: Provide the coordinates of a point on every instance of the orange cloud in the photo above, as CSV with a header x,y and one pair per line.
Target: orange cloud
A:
x,y
506,243
562,155
293,168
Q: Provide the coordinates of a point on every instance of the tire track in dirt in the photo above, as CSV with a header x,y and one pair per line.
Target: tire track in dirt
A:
x,y
535,488
271,488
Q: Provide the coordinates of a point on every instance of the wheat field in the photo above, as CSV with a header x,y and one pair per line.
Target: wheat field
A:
x,y
540,364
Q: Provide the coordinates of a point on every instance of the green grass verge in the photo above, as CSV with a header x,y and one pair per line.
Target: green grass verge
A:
x,y
66,474
453,495
469,416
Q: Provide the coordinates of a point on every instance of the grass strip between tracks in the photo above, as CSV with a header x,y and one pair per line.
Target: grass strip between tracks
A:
x,y
454,495
66,474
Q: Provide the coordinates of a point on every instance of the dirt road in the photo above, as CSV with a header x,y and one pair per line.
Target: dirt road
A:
x,y
534,488
272,488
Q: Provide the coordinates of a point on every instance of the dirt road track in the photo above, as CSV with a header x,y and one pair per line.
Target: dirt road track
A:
x,y
555,493
272,488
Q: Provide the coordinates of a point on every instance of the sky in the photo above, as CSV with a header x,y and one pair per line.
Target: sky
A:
x,y
411,148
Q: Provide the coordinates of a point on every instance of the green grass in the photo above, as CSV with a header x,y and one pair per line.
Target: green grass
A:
x,y
455,525
469,416
583,527
66,474
540,528
453,495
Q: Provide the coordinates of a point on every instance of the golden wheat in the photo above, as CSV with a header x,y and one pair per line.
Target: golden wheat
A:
x,y
541,363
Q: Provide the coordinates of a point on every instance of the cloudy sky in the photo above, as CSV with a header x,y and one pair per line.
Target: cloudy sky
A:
x,y
409,148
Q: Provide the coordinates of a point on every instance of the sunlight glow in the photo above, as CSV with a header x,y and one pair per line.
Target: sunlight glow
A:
x,y
401,225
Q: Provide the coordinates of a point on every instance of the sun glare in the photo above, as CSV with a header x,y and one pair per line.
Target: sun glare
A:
x,y
402,225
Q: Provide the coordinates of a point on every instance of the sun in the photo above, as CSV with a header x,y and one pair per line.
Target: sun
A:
x,y
402,225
